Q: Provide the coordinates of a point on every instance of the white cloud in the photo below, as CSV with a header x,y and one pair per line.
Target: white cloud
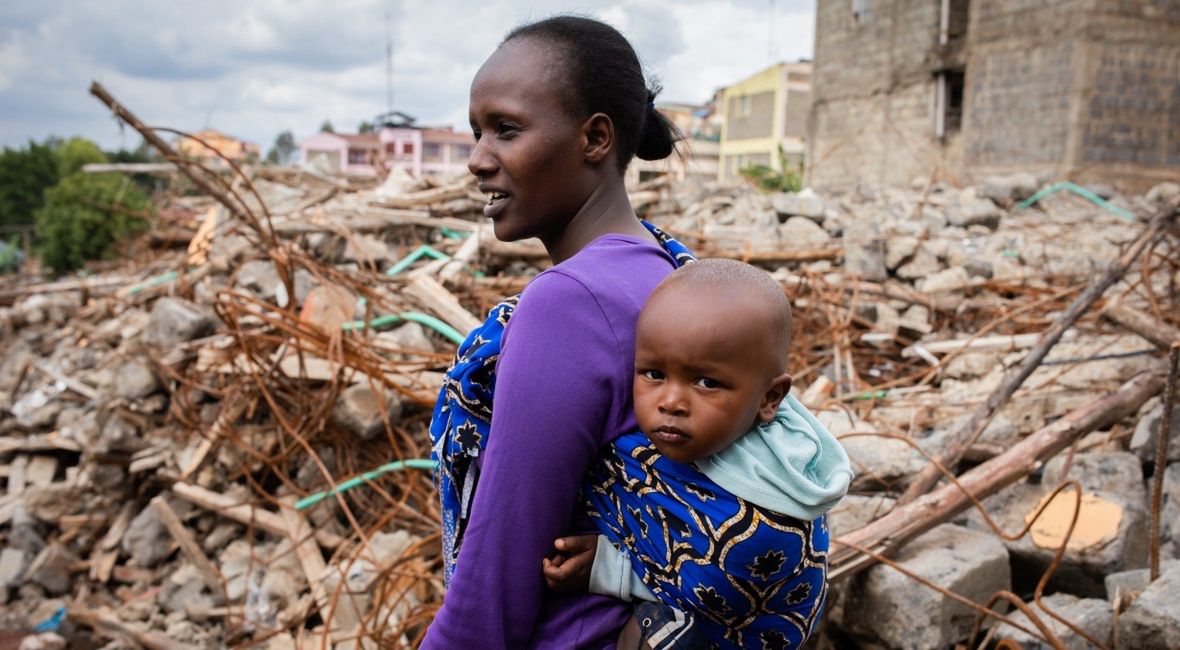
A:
x,y
256,68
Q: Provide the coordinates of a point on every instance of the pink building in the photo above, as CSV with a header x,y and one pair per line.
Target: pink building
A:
x,y
416,150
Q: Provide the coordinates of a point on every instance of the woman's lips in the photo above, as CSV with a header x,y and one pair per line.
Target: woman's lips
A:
x,y
495,205
669,434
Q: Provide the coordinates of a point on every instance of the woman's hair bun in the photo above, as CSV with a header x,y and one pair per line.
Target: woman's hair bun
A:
x,y
658,137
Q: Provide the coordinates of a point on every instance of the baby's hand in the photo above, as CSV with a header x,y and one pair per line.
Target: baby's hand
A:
x,y
569,569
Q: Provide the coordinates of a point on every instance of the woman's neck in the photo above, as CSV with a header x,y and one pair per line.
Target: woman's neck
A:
x,y
607,211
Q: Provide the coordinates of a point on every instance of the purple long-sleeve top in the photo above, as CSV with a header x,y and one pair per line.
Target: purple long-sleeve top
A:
x,y
563,389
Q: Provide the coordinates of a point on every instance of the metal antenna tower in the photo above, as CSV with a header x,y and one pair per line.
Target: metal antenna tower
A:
x,y
771,50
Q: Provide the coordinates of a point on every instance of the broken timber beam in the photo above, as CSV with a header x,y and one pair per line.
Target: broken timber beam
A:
x,y
969,432
907,521
1158,332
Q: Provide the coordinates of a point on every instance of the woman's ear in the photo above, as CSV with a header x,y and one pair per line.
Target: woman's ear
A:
x,y
599,132
779,387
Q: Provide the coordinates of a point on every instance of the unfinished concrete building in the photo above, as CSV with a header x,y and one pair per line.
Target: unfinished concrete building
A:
x,y
1086,90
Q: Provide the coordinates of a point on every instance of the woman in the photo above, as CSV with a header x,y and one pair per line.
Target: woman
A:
x,y
558,111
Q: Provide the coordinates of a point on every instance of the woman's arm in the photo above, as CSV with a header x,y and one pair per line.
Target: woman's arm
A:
x,y
557,380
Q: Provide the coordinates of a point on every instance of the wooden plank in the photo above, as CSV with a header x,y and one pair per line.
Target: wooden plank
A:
x,y
231,508
17,476
437,299
1162,334
188,544
41,471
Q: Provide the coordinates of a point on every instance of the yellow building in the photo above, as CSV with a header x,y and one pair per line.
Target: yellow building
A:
x,y
764,119
228,146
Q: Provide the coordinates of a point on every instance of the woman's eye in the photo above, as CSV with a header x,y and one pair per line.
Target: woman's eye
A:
x,y
706,382
477,134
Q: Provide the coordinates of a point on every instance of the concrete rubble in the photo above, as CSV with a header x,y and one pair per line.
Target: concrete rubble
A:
x,y
157,431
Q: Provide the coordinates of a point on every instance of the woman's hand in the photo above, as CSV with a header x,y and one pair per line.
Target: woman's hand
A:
x,y
569,568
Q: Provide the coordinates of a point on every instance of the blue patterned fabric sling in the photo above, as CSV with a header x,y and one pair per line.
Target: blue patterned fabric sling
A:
x,y
749,577
462,415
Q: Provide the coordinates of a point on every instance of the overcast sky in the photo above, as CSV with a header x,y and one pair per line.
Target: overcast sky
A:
x,y
253,68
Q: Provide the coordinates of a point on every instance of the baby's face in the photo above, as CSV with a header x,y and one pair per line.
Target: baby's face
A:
x,y
702,374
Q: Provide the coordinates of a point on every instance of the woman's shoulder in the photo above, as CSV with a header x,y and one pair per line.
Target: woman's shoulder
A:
x,y
613,263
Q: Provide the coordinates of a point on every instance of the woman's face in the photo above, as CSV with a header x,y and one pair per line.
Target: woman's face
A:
x,y
530,152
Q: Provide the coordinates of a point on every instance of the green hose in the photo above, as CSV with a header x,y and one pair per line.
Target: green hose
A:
x,y
1080,191
411,316
413,463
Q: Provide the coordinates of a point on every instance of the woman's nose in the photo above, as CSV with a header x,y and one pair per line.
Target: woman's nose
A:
x,y
480,162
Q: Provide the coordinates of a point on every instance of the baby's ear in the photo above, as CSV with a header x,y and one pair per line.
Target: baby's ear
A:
x,y
779,387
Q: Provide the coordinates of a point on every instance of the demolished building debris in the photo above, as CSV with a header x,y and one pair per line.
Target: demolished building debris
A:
x,y
224,442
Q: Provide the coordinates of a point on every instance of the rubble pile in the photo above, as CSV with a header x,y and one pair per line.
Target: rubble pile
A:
x,y
223,443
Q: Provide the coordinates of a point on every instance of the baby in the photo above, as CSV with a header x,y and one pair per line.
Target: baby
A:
x,y
715,511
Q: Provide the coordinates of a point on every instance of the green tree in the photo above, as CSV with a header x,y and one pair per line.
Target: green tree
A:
x,y
84,214
76,152
366,127
24,176
326,127
284,150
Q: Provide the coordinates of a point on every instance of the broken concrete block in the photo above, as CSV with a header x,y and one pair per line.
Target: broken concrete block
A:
x,y
855,510
1117,472
799,232
1012,187
899,249
51,569
358,409
43,641
184,591
1153,620
1147,433
13,562
366,249
1110,534
258,277
408,337
1170,513
923,263
1134,581
147,540
977,267
1092,615
978,212
175,321
904,614
951,280
1164,191
864,252
804,203
136,378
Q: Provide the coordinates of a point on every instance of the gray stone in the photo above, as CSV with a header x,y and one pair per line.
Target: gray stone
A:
x,y
978,212
358,410
135,379
1153,620
175,321
259,277
51,569
1147,433
800,232
1170,513
1092,615
899,249
901,613
1164,191
969,365
979,268
227,251
1013,187
366,249
864,255
13,562
951,280
1118,472
1134,581
147,541
923,263
855,510
1110,535
804,203
184,591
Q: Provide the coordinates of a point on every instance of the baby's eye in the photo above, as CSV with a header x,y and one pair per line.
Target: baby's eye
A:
x,y
653,375
708,382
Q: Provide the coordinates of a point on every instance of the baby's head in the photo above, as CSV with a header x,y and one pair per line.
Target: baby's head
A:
x,y
710,357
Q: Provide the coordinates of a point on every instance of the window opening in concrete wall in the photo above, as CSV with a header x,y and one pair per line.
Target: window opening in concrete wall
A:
x,y
407,148
463,151
953,20
860,11
744,106
431,149
948,102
